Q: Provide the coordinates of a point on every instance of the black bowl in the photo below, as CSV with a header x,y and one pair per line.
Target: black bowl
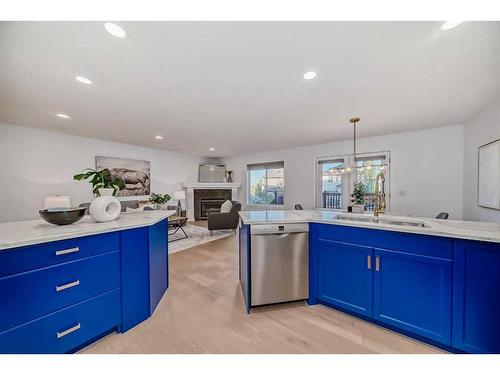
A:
x,y
62,216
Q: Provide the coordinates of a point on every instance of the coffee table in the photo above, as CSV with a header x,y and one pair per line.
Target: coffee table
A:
x,y
177,222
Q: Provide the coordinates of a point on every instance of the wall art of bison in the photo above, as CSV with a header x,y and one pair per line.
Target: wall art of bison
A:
x,y
134,173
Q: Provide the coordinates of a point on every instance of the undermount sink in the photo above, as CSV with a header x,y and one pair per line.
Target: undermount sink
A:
x,y
417,224
361,219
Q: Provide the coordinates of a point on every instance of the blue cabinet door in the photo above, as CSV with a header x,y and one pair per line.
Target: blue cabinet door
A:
x,y
344,276
158,263
413,292
134,277
244,263
476,297
144,276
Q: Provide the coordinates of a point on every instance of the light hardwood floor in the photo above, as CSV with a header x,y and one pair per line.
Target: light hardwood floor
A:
x,y
203,312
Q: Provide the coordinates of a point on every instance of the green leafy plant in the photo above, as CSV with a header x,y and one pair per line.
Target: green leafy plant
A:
x,y
159,198
358,194
100,180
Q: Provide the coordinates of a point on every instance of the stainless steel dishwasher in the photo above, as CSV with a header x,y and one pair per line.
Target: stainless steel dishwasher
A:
x,y
279,263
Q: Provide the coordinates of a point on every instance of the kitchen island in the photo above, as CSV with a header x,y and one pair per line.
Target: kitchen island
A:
x,y
434,280
62,287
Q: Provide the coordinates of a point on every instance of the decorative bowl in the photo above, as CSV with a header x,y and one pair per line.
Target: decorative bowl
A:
x,y
62,216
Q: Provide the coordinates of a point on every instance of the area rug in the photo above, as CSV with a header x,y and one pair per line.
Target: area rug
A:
x,y
197,236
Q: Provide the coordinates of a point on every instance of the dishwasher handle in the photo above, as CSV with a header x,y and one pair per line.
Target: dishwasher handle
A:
x,y
279,235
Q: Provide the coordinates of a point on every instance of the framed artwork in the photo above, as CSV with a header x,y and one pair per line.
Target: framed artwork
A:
x,y
488,181
134,173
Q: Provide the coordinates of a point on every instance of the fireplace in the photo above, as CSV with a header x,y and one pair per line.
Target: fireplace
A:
x,y
205,199
207,203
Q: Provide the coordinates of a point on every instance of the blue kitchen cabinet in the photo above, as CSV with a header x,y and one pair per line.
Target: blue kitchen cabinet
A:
x,y
158,263
244,263
399,280
65,330
476,297
412,292
144,265
135,277
344,277
59,296
32,294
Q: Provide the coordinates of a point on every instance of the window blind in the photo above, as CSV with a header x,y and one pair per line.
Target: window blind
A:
x,y
271,165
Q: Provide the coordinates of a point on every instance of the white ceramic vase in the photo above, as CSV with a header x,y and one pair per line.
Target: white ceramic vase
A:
x,y
106,207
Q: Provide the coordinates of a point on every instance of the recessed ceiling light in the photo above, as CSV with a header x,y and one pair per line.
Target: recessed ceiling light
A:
x,y
114,30
450,25
211,149
62,115
158,137
83,80
310,75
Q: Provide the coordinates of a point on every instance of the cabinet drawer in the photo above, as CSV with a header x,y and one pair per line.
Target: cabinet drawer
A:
x,y
29,258
67,329
29,295
433,246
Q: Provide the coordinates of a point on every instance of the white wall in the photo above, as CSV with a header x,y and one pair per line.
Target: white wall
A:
x,y
482,129
426,164
36,163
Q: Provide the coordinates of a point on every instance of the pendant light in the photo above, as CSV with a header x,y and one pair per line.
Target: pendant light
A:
x,y
353,165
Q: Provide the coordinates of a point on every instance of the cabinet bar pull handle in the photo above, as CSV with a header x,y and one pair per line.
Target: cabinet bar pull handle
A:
x,y
369,261
68,331
68,251
67,286
377,264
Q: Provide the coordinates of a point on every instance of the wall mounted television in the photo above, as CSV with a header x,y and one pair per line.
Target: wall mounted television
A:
x,y
211,173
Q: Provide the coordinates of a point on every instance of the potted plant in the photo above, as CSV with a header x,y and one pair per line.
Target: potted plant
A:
x,y
101,181
159,200
358,197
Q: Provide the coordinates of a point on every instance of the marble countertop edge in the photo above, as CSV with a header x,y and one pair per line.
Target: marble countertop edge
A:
x,y
467,230
32,232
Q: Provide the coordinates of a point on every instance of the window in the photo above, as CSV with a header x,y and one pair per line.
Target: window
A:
x,y
336,180
331,183
265,183
368,169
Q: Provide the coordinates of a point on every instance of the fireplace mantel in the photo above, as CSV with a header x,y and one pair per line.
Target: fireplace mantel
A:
x,y
191,187
212,185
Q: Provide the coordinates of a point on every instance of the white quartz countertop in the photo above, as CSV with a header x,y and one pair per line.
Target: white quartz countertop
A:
x,y
471,230
30,232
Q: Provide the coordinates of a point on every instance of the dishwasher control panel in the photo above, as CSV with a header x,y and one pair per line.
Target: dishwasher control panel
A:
x,y
279,228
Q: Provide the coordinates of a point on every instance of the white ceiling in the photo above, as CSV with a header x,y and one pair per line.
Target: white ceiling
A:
x,y
238,86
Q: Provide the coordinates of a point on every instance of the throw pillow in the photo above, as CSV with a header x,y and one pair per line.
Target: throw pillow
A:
x,y
226,207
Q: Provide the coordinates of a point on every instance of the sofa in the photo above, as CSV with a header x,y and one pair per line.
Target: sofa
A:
x,y
218,220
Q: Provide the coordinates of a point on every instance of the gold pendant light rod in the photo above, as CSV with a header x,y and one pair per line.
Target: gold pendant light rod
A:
x,y
354,121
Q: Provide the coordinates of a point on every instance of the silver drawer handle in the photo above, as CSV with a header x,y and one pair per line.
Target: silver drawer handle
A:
x,y
68,331
67,286
68,251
